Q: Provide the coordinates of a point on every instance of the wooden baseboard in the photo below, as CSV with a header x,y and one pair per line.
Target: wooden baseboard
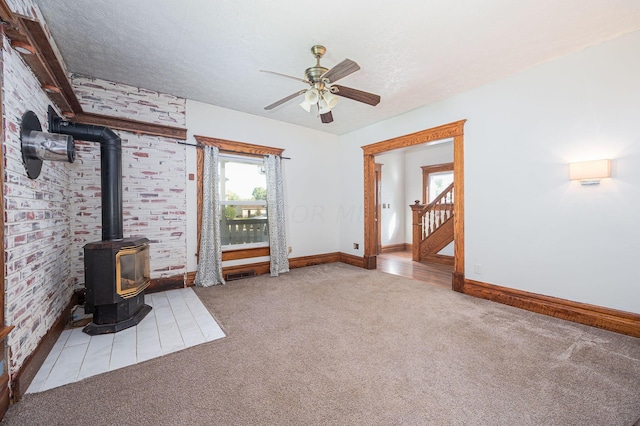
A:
x,y
457,283
30,367
596,316
168,283
392,248
5,398
261,268
439,258
370,261
350,259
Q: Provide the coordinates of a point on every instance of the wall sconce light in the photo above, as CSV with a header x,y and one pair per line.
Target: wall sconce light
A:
x,y
590,172
22,47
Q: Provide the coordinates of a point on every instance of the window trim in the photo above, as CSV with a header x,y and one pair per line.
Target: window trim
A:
x,y
238,149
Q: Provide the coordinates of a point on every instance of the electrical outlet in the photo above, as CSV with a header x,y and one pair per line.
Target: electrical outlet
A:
x,y
290,249
477,268
356,246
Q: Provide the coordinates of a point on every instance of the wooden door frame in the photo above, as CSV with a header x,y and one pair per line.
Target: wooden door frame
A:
x,y
453,130
378,208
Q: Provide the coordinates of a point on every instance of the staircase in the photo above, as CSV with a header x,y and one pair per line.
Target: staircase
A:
x,y
433,228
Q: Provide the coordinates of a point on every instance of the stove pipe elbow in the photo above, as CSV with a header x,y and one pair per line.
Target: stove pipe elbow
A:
x,y
110,169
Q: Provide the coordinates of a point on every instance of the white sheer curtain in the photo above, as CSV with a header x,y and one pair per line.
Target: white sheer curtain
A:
x,y
275,214
210,259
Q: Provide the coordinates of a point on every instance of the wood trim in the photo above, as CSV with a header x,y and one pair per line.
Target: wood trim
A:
x,y
190,279
369,208
5,396
246,253
424,136
29,369
4,331
437,240
133,126
166,283
392,248
54,73
5,393
426,171
370,262
455,130
239,147
458,205
296,262
260,268
316,259
596,316
439,258
6,14
457,282
199,173
350,259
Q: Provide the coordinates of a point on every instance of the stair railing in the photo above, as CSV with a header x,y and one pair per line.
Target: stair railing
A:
x,y
427,219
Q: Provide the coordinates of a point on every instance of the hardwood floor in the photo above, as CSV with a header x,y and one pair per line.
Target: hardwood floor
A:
x,y
400,263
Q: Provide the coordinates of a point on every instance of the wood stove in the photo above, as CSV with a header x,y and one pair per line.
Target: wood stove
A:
x,y
116,274
116,269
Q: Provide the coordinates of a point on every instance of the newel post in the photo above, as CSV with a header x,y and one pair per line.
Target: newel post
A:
x,y
416,210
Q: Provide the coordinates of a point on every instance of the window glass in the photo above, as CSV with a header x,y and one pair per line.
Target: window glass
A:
x,y
438,182
243,195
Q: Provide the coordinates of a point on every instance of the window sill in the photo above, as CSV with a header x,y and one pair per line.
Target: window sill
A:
x,y
245,253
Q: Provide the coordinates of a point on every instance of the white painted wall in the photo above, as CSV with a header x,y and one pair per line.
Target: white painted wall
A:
x,y
392,198
556,237
311,176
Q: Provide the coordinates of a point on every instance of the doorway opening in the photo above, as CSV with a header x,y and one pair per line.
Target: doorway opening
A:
x,y
453,131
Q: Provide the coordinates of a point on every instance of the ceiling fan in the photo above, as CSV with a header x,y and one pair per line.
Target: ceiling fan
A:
x,y
322,91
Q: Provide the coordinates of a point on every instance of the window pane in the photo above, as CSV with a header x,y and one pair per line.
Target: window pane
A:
x,y
243,224
242,180
438,182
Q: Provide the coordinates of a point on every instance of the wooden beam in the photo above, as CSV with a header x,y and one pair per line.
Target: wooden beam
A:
x,y
52,72
132,126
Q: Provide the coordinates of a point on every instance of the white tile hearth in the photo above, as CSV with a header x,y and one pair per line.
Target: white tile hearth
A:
x,y
177,321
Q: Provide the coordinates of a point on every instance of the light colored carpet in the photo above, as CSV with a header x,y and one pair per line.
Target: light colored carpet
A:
x,y
334,344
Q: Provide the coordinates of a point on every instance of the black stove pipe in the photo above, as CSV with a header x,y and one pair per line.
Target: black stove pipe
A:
x,y
110,169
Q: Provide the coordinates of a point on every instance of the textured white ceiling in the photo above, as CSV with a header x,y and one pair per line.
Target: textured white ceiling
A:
x,y
411,52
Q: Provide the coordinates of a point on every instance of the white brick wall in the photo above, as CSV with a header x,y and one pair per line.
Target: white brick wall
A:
x,y
38,281
119,100
153,176
48,220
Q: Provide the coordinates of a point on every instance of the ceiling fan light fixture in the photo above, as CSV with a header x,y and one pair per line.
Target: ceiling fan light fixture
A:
x,y
323,108
330,99
312,96
305,106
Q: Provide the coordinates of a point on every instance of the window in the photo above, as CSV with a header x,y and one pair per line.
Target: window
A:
x,y
243,202
435,179
438,182
244,159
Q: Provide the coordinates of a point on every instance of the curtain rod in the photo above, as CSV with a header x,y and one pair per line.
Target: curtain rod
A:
x,y
228,150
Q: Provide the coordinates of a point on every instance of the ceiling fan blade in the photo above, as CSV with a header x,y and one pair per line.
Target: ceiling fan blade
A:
x,y
285,75
341,70
283,100
326,117
357,95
